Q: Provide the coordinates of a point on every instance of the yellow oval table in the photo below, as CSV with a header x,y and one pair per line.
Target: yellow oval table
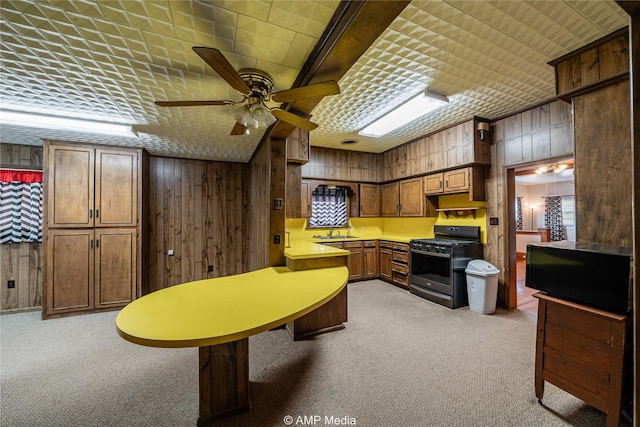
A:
x,y
218,315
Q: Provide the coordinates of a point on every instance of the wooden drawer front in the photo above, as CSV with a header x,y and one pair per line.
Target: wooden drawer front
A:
x,y
400,256
334,245
572,320
370,243
400,278
385,244
352,245
401,247
581,348
577,378
400,268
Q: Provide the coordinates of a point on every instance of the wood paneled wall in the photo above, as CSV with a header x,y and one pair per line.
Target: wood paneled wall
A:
x,y
342,165
200,210
21,262
603,171
260,220
536,135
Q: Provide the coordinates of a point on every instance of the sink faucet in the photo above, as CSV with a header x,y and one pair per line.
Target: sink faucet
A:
x,y
331,230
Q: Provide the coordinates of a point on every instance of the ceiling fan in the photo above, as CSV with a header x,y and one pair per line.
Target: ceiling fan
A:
x,y
256,87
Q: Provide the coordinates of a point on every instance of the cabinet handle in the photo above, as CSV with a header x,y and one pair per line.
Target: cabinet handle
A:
x,y
90,213
97,243
97,213
91,243
440,184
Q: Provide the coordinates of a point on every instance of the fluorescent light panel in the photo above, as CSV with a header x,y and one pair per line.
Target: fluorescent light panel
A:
x,y
416,107
64,123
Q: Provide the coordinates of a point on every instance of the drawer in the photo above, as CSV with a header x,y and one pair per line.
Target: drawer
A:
x,y
400,256
370,243
400,268
352,245
386,244
400,278
401,247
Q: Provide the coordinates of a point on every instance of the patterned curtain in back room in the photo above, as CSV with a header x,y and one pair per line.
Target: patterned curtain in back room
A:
x,y
553,217
328,207
20,206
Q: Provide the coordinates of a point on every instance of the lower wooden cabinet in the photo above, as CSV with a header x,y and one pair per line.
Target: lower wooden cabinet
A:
x,y
370,259
386,259
355,262
89,269
400,265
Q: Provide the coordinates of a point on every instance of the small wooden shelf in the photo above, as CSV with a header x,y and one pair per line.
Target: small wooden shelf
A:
x,y
459,212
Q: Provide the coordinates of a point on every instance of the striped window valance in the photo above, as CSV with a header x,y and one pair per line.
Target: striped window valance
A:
x,y
20,206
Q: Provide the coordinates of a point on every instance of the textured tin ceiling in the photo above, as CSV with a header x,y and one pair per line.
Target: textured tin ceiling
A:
x,y
113,59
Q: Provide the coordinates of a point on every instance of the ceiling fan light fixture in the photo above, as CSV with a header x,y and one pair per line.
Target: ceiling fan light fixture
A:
x,y
418,106
243,116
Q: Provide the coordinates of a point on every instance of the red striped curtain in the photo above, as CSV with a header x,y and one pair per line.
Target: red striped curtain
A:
x,y
20,206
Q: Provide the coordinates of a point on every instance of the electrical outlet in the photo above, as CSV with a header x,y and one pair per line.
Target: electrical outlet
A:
x,y
276,239
170,252
493,221
210,269
11,284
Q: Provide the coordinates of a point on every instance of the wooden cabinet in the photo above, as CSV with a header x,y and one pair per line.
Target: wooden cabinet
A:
x,y
92,187
305,200
402,198
586,352
434,183
91,229
386,259
370,259
298,146
389,199
355,261
411,197
456,181
400,265
369,200
89,269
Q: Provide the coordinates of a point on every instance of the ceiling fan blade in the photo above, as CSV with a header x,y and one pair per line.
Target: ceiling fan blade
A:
x,y
216,60
291,118
311,91
238,129
191,103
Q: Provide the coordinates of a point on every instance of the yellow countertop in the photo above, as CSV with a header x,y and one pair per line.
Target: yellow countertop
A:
x,y
225,309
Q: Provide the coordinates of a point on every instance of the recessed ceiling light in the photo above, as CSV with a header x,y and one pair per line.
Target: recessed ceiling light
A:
x,y
20,118
421,104
349,141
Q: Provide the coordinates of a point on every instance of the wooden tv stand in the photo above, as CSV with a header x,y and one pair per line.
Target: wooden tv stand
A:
x,y
586,352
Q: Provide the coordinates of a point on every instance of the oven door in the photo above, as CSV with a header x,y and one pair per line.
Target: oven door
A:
x,y
431,270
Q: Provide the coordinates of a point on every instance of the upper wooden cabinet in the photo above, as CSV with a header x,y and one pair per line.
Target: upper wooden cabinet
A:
x,y
369,200
92,187
402,198
457,180
604,59
298,146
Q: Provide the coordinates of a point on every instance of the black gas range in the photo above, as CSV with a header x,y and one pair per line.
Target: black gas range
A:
x,y
438,264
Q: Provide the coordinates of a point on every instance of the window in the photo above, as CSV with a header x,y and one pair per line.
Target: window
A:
x,y
568,211
329,207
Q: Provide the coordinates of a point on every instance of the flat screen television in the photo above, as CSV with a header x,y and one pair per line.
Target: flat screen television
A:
x,y
592,274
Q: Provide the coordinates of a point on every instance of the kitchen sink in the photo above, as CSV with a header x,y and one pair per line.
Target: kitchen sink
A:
x,y
334,237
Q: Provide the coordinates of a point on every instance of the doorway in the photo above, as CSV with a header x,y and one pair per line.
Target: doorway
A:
x,y
544,210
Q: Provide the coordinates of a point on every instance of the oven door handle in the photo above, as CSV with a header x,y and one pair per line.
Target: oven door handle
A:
x,y
417,251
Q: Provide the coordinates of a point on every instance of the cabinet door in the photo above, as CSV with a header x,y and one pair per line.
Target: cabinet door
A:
x,y
305,200
456,180
386,258
411,197
370,257
69,271
355,263
434,184
369,200
69,187
116,187
389,200
115,267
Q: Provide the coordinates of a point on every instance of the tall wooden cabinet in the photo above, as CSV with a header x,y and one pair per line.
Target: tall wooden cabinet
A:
x,y
92,227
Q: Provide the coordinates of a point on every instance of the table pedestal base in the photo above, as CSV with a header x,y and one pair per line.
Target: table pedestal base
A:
x,y
224,380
